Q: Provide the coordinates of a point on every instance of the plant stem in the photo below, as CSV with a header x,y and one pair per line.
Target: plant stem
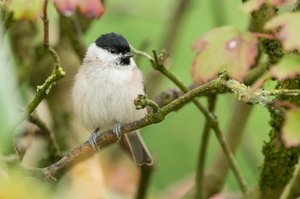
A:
x,y
202,152
158,64
57,73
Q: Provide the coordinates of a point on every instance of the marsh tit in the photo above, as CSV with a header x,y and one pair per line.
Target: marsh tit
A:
x,y
105,87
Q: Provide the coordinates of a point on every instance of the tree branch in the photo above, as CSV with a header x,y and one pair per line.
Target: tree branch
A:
x,y
84,150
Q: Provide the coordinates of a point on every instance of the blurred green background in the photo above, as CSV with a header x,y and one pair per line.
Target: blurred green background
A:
x,y
175,141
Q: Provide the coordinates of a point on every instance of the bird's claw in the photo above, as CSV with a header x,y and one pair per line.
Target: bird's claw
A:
x,y
117,131
92,139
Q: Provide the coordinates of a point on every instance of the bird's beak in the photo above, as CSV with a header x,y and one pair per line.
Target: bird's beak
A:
x,y
128,55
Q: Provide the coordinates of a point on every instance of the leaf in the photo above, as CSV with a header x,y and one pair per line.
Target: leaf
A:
x,y
9,97
224,47
288,67
15,185
89,8
291,128
22,9
66,7
253,5
290,29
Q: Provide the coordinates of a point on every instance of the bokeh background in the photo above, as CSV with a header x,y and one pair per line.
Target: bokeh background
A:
x,y
175,142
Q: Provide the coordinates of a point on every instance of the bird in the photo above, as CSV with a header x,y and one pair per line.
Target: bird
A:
x,y
105,87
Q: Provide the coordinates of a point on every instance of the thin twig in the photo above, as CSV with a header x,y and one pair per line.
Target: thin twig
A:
x,y
175,24
146,174
57,73
202,152
50,136
46,24
142,102
158,64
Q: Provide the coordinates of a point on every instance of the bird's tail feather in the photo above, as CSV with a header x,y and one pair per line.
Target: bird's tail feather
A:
x,y
139,151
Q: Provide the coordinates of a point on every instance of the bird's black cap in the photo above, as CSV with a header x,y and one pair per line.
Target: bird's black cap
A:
x,y
113,42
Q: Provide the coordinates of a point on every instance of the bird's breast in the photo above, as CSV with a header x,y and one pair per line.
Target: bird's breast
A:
x,y
105,96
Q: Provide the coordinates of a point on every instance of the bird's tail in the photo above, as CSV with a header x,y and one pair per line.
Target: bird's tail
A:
x,y
139,151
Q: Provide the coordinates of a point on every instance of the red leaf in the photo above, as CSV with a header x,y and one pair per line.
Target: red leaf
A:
x,y
224,48
66,7
91,8
290,29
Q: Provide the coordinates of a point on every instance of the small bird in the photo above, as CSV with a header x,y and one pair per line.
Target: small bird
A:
x,y
104,90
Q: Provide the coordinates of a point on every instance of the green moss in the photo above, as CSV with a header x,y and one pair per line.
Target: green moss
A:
x,y
291,84
279,162
273,49
278,167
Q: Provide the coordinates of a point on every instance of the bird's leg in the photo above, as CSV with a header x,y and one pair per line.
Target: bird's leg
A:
x,y
117,131
92,139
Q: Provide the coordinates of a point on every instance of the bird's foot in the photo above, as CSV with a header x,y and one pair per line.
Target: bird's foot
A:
x,y
92,139
117,131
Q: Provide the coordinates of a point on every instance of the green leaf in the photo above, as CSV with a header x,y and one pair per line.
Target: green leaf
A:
x,y
290,29
224,48
24,9
288,67
291,128
9,97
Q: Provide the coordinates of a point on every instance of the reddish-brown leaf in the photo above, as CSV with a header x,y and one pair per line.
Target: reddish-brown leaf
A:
x,y
66,7
224,48
91,8
290,29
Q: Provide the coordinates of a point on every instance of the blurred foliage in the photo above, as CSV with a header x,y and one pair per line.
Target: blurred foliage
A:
x,y
18,186
10,103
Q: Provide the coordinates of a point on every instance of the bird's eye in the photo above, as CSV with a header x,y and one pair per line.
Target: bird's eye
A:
x,y
112,50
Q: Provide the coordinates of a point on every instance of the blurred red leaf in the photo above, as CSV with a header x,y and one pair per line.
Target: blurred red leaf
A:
x,y
66,7
288,67
253,5
21,9
224,48
89,8
291,128
290,29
